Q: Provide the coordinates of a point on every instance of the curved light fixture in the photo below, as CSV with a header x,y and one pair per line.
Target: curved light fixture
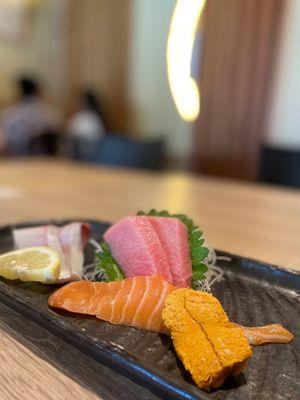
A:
x,y
183,28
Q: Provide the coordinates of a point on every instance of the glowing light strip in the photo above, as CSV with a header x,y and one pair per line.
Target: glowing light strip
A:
x,y
183,28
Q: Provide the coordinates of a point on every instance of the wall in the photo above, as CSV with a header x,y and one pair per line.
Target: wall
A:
x,y
98,55
152,112
284,115
240,39
41,53
75,44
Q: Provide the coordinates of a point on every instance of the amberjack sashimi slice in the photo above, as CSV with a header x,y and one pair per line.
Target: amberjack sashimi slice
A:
x,y
68,240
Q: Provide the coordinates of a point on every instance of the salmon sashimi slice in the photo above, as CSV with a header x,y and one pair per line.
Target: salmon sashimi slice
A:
x,y
144,245
136,301
274,333
139,302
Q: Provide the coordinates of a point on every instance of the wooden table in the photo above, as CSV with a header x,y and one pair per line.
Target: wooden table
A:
x,y
250,220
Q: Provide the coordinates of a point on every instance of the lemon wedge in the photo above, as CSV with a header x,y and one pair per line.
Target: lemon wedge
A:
x,y
38,264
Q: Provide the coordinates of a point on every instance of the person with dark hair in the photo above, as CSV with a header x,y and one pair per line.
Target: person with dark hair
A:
x,y
87,122
28,87
29,118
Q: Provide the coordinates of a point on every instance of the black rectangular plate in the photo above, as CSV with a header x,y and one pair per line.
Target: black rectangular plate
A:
x,y
251,292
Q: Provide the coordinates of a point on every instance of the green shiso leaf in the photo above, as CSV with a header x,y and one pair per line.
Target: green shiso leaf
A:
x,y
199,253
107,264
196,241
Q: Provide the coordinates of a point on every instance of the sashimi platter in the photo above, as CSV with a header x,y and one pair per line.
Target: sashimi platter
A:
x,y
150,298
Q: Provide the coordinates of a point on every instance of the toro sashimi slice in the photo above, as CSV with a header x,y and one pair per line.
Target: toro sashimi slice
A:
x,y
173,236
69,241
137,249
134,301
144,245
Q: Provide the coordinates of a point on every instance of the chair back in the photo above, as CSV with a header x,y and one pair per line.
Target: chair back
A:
x,y
44,144
117,150
280,166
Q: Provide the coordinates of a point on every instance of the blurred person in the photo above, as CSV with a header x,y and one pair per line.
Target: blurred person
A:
x,y
28,119
87,122
2,143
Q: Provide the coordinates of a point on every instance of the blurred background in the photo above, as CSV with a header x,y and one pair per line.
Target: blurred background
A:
x,y
210,86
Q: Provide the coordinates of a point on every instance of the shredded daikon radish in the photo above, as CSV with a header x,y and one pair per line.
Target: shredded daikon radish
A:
x,y
97,246
214,273
92,273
